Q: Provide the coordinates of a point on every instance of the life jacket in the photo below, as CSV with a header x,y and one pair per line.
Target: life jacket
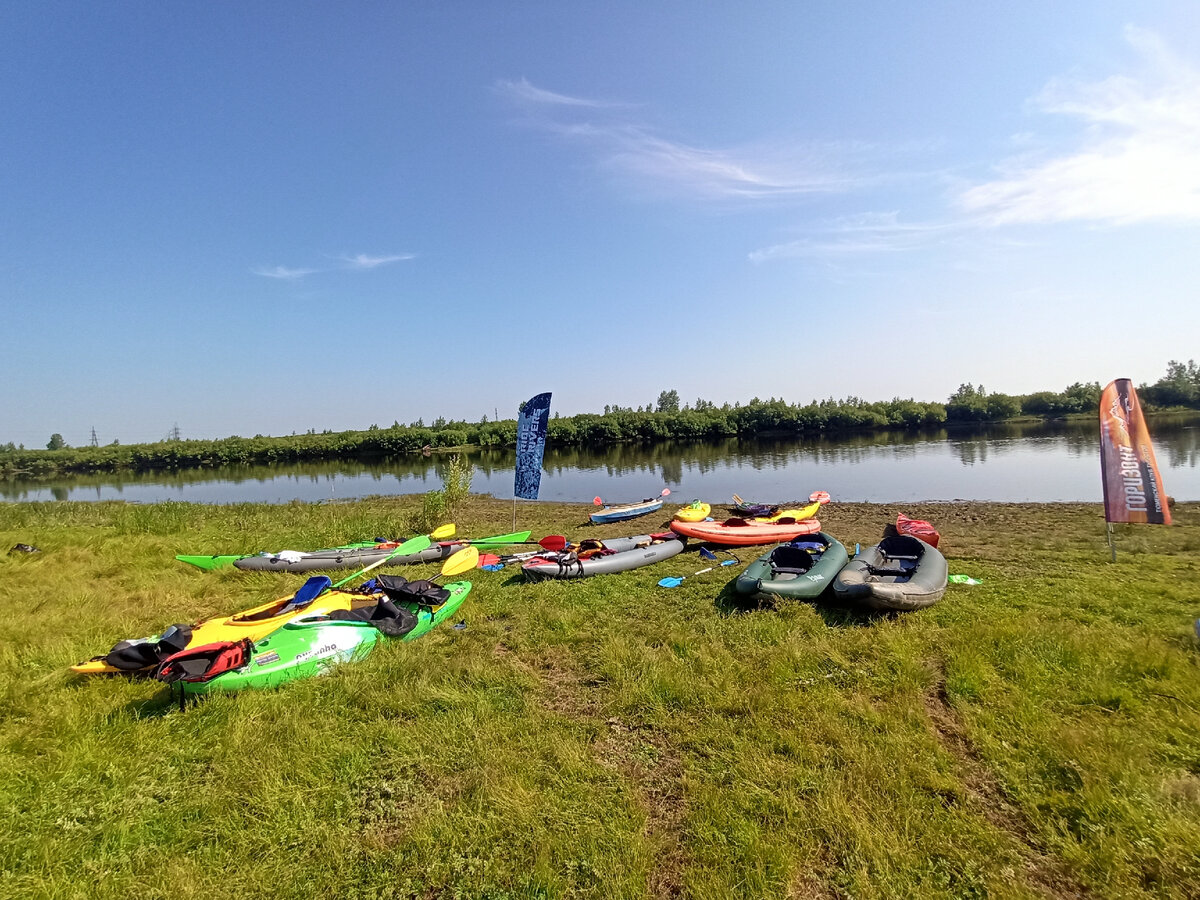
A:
x,y
205,662
422,593
130,656
917,528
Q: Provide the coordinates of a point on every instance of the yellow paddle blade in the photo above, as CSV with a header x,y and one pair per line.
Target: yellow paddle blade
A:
x,y
461,561
443,532
737,499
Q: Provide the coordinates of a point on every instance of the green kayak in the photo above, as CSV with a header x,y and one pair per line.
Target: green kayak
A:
x,y
308,646
800,570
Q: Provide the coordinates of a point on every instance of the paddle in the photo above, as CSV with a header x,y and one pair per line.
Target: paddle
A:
x,y
412,545
676,580
705,553
596,501
554,543
501,540
549,542
461,561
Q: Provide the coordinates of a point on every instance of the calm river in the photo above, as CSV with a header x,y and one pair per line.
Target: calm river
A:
x,y
1014,463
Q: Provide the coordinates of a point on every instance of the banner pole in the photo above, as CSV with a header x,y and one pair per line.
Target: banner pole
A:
x,y
1111,546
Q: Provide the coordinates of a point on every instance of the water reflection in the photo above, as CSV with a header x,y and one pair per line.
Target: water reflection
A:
x,y
1040,462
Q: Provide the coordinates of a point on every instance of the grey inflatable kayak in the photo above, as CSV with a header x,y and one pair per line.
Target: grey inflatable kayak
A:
x,y
801,569
605,557
342,558
899,572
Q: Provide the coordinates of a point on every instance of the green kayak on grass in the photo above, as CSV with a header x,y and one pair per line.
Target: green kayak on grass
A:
x,y
799,570
308,646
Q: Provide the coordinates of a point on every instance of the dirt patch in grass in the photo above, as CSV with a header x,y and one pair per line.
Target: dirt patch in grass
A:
x,y
387,805
565,690
647,760
640,753
1043,872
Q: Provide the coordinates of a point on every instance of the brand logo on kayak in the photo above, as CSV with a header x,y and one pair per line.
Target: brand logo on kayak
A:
x,y
320,651
266,658
815,577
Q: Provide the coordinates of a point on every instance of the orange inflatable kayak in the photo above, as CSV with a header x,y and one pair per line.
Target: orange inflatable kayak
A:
x,y
747,532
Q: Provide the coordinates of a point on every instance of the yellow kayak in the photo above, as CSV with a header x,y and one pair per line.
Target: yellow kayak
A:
x,y
254,624
693,512
806,512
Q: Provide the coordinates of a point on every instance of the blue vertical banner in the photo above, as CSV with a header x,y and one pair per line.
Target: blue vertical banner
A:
x,y
531,445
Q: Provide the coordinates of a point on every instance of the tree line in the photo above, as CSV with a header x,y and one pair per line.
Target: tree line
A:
x,y
666,419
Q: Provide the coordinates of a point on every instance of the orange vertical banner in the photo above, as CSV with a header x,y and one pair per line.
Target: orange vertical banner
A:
x,y
1133,488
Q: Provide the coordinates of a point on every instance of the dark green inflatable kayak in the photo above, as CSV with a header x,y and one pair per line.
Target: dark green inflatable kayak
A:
x,y
308,646
801,569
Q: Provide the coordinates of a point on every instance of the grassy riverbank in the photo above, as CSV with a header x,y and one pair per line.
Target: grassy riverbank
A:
x,y
1036,735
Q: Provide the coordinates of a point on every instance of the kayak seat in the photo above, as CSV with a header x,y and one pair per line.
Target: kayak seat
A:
x,y
901,546
309,591
392,620
789,559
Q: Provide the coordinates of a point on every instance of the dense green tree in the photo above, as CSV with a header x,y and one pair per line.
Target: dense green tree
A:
x,y
56,442
668,402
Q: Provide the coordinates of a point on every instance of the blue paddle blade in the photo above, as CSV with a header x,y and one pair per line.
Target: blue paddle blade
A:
x,y
707,554
729,562
670,581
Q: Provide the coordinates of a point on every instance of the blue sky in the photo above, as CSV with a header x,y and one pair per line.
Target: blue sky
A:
x,y
270,217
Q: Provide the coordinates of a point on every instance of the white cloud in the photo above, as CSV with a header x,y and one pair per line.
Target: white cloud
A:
x,y
284,273
363,261
635,150
864,233
1137,161
524,92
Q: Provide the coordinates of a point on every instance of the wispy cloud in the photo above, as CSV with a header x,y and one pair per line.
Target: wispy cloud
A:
x,y
365,261
866,233
523,92
1137,160
633,149
284,273
357,262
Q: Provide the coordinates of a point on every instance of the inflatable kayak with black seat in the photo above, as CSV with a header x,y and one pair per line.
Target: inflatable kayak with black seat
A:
x,y
351,556
800,570
606,557
898,573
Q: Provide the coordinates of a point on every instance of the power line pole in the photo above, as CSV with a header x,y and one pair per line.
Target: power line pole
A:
x,y
175,432
95,440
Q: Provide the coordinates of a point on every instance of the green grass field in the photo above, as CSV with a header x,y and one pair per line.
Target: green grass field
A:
x,y
1037,735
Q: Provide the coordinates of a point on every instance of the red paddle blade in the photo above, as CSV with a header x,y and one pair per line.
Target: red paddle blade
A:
x,y
665,491
488,559
596,501
821,497
553,542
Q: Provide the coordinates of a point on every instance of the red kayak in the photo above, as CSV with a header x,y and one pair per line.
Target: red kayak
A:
x,y
747,532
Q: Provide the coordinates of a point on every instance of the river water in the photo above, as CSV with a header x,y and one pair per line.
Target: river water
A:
x,y
1012,463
